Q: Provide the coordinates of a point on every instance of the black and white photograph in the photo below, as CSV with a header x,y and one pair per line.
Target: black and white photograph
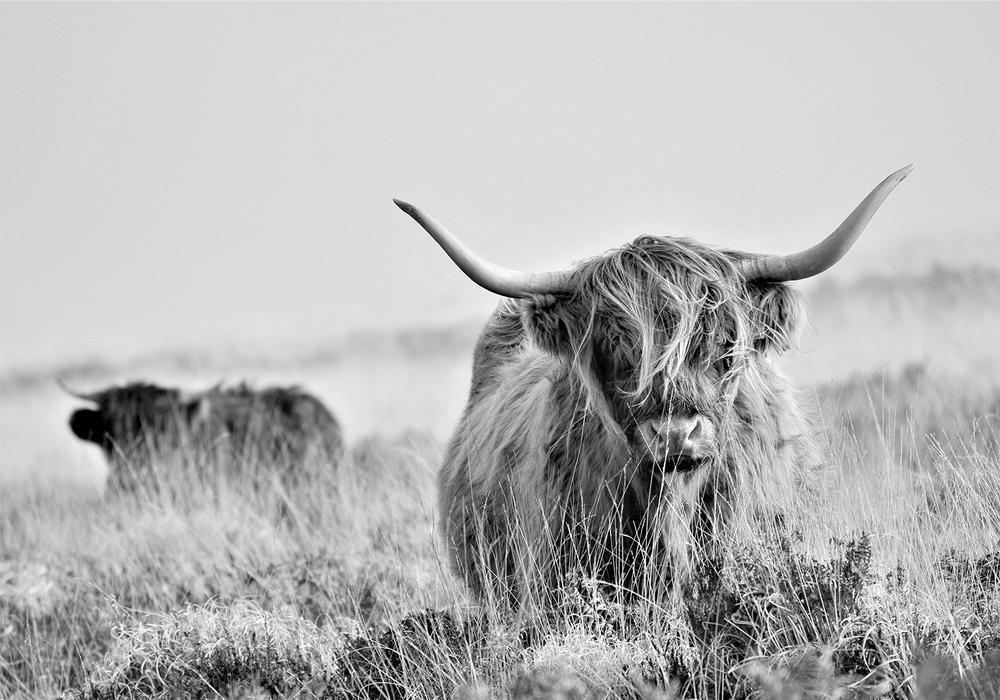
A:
x,y
500,350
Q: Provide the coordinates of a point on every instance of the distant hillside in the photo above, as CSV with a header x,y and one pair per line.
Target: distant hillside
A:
x,y
945,318
375,346
939,288
919,254
942,317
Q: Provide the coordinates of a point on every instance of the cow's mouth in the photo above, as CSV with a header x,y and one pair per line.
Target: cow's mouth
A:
x,y
681,464
675,442
673,464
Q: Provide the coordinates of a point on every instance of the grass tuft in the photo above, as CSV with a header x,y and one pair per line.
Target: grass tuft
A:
x,y
884,583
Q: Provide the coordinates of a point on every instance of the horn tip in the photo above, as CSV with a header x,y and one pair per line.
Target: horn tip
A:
x,y
404,205
903,172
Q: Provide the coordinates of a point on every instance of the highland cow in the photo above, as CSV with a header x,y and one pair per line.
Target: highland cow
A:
x,y
625,413
237,430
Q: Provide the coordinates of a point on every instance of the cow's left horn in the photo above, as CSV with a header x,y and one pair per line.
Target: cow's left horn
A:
x,y
65,387
499,280
826,253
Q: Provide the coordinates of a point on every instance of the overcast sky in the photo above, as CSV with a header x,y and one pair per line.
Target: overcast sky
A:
x,y
187,172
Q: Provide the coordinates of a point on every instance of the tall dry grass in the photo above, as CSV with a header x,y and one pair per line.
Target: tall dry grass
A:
x,y
883,581
355,544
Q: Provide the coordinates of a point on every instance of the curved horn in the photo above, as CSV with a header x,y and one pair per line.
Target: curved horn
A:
x,y
826,253
499,280
65,387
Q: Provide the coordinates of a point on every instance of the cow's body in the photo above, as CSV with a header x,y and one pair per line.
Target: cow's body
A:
x,y
625,413
547,474
239,431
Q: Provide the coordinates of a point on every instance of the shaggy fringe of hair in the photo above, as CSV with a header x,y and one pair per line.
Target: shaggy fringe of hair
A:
x,y
653,282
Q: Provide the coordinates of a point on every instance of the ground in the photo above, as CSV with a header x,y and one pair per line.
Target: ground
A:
x,y
884,582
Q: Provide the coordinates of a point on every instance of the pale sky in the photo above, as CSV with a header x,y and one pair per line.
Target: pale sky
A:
x,y
192,173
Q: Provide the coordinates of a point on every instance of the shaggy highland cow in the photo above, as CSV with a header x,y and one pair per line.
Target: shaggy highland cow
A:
x,y
625,413
239,430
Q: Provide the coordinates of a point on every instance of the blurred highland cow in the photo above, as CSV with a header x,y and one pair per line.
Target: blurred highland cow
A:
x,y
625,414
238,431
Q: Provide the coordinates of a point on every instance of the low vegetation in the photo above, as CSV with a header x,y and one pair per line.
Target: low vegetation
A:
x,y
884,583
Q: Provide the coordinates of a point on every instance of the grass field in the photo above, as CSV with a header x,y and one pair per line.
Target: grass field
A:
x,y
886,581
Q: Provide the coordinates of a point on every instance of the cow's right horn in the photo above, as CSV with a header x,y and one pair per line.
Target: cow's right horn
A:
x,y
499,280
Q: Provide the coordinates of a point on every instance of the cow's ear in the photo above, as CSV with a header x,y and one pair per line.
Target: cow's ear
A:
x,y
777,312
88,425
552,322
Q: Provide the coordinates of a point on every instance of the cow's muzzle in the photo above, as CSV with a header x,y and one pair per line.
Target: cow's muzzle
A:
x,y
680,442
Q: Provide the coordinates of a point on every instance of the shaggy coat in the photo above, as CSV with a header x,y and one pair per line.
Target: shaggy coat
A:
x,y
548,474
244,431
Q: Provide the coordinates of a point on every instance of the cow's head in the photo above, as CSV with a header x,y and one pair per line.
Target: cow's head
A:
x,y
663,331
128,416
660,333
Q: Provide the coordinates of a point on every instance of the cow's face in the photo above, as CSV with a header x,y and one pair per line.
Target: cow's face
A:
x,y
663,331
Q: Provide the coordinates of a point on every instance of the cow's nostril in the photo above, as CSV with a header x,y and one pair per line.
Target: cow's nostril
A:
x,y
686,435
696,431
